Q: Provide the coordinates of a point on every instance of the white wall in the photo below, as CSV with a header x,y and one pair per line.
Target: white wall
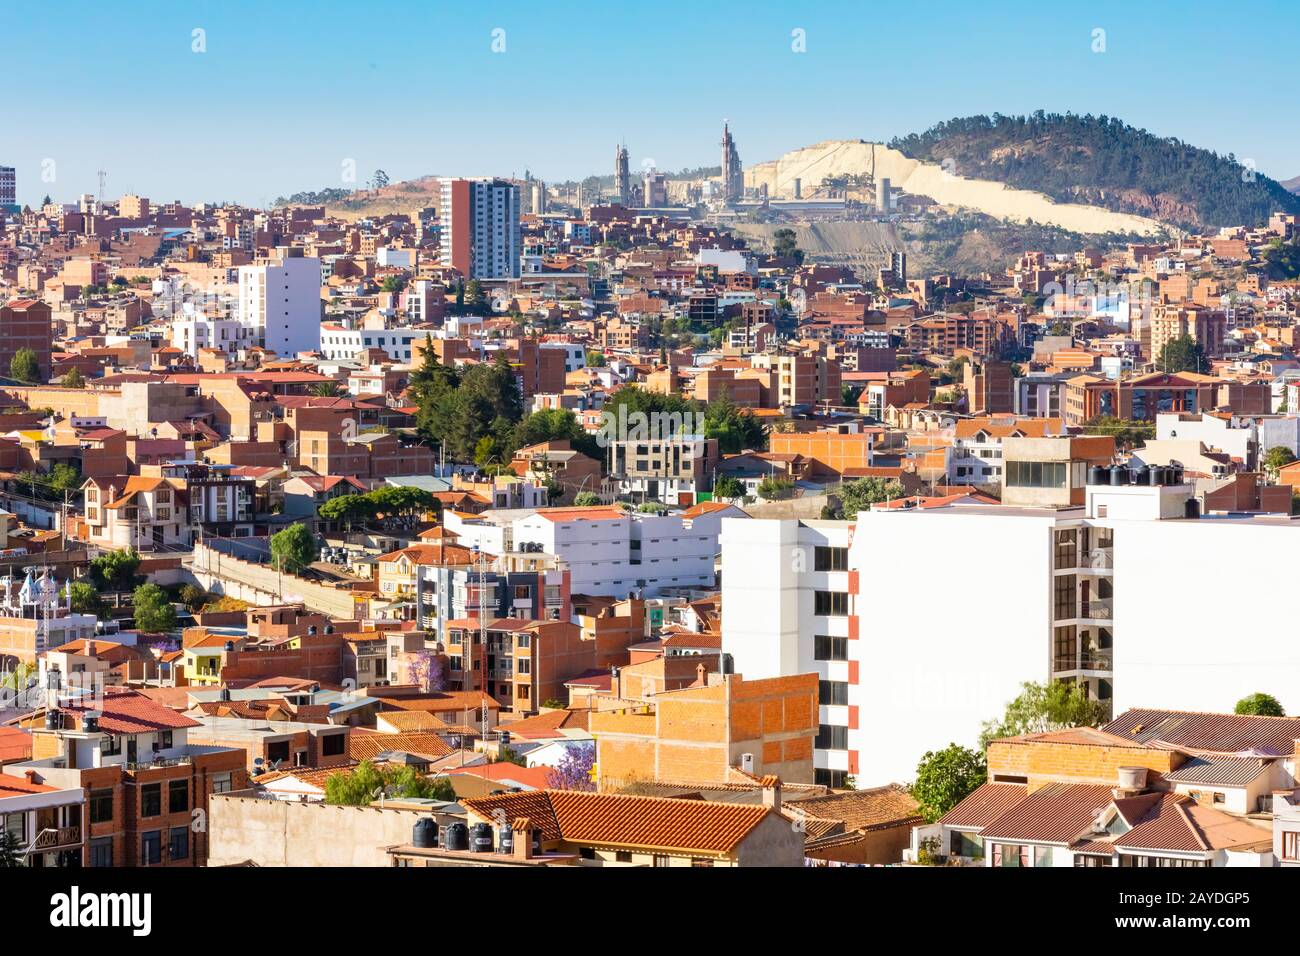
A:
x,y
955,614
1204,613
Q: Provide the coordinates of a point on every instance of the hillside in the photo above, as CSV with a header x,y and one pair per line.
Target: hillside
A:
x,y
1104,162
1291,185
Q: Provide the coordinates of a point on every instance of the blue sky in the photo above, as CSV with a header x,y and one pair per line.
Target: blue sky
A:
x,y
286,91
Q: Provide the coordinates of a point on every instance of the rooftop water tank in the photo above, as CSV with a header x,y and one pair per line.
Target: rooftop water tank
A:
x,y
480,838
424,835
506,839
456,837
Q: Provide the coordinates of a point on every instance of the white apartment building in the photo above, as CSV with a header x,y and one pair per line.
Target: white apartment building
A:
x,y
280,298
1126,596
402,345
614,553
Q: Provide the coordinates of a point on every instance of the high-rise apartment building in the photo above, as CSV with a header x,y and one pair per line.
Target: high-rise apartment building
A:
x,y
8,189
280,298
480,228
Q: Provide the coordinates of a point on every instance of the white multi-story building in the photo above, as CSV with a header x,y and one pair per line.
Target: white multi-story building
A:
x,y
609,551
480,228
402,345
281,299
1125,596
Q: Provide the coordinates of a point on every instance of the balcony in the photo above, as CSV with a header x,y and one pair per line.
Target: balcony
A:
x,y
54,838
1096,610
1098,559
1098,660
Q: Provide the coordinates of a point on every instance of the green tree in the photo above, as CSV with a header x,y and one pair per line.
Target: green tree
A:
x,y
860,495
116,570
85,599
392,284
1183,354
586,499
785,244
735,429
11,850
64,477
154,613
946,777
1277,458
293,549
24,366
73,379
364,783
773,488
728,486
326,389
1055,705
1260,705
1127,433
596,359
556,424
194,597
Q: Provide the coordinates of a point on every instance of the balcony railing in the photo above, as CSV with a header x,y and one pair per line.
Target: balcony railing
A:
x,y
63,836
1097,610
1087,661
1098,559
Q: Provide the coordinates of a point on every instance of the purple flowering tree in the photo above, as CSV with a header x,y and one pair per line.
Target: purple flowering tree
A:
x,y
426,669
573,772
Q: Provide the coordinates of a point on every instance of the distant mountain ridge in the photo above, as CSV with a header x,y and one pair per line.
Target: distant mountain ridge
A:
x,y
1102,161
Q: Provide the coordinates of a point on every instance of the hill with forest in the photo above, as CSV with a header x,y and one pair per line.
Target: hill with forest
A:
x,y
1102,161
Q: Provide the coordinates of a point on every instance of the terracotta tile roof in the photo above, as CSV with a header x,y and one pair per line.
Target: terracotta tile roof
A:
x,y
1220,733
370,746
20,786
985,804
15,745
548,725
619,820
863,809
130,712
453,700
413,720
535,778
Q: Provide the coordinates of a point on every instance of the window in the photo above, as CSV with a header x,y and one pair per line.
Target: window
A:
x,y
178,844
1064,590
332,745
660,859
178,796
833,692
101,851
1036,474
151,800
835,779
622,856
278,750
830,648
151,848
165,740
831,559
221,783
1010,855
524,640
831,603
830,737
1291,844
101,806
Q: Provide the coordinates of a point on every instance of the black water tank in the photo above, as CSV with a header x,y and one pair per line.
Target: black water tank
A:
x,y
1155,475
457,837
1142,476
424,835
506,839
480,838
1097,475
1118,476
53,719
1176,475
